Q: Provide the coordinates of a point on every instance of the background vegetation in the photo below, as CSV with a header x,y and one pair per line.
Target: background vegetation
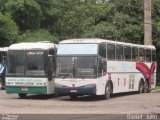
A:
x,y
54,20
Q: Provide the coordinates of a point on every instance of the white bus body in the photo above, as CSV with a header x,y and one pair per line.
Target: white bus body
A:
x,y
104,67
31,68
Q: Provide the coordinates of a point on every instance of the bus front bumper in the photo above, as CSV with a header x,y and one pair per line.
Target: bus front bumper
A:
x,y
26,90
82,90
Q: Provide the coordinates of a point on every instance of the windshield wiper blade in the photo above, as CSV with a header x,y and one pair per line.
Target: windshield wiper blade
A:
x,y
64,75
68,74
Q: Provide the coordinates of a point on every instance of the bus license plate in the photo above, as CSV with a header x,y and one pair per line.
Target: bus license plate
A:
x,y
73,91
24,89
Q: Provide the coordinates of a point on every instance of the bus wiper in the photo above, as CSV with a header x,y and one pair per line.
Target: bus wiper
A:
x,y
67,74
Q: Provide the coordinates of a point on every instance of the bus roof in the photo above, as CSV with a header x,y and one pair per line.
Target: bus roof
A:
x,y
4,49
43,45
97,40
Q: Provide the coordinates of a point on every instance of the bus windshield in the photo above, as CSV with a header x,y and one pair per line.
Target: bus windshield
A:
x,y
35,62
74,49
25,63
77,67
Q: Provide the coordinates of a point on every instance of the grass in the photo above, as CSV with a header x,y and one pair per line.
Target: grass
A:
x,y
157,87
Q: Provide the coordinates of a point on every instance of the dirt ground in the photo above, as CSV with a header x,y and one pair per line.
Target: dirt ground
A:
x,y
130,103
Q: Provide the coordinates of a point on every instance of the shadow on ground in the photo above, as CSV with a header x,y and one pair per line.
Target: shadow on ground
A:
x,y
39,97
95,98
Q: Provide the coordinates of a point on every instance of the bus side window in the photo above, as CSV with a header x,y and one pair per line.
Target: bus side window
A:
x,y
119,52
3,57
102,67
134,54
141,55
110,52
148,55
153,55
127,53
102,50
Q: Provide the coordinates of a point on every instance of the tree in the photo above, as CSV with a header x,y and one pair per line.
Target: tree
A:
x,y
103,30
128,29
50,13
26,13
38,35
156,33
8,30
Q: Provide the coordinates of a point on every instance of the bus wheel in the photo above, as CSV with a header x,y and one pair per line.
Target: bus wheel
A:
x,y
141,87
108,91
22,96
1,84
146,87
73,97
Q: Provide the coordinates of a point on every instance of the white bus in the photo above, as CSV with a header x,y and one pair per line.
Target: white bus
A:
x,y
103,67
31,68
3,55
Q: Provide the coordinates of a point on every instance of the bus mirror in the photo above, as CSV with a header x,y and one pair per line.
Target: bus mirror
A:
x,y
4,59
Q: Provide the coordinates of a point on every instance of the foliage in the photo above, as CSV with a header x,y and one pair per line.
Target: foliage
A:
x,y
35,36
54,20
26,13
157,87
8,30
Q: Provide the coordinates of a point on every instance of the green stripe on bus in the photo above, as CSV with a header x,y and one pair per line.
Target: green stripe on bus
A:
x,y
30,90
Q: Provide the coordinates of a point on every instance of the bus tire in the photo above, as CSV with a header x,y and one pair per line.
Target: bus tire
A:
x,y
22,96
1,84
108,91
146,87
73,97
141,87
